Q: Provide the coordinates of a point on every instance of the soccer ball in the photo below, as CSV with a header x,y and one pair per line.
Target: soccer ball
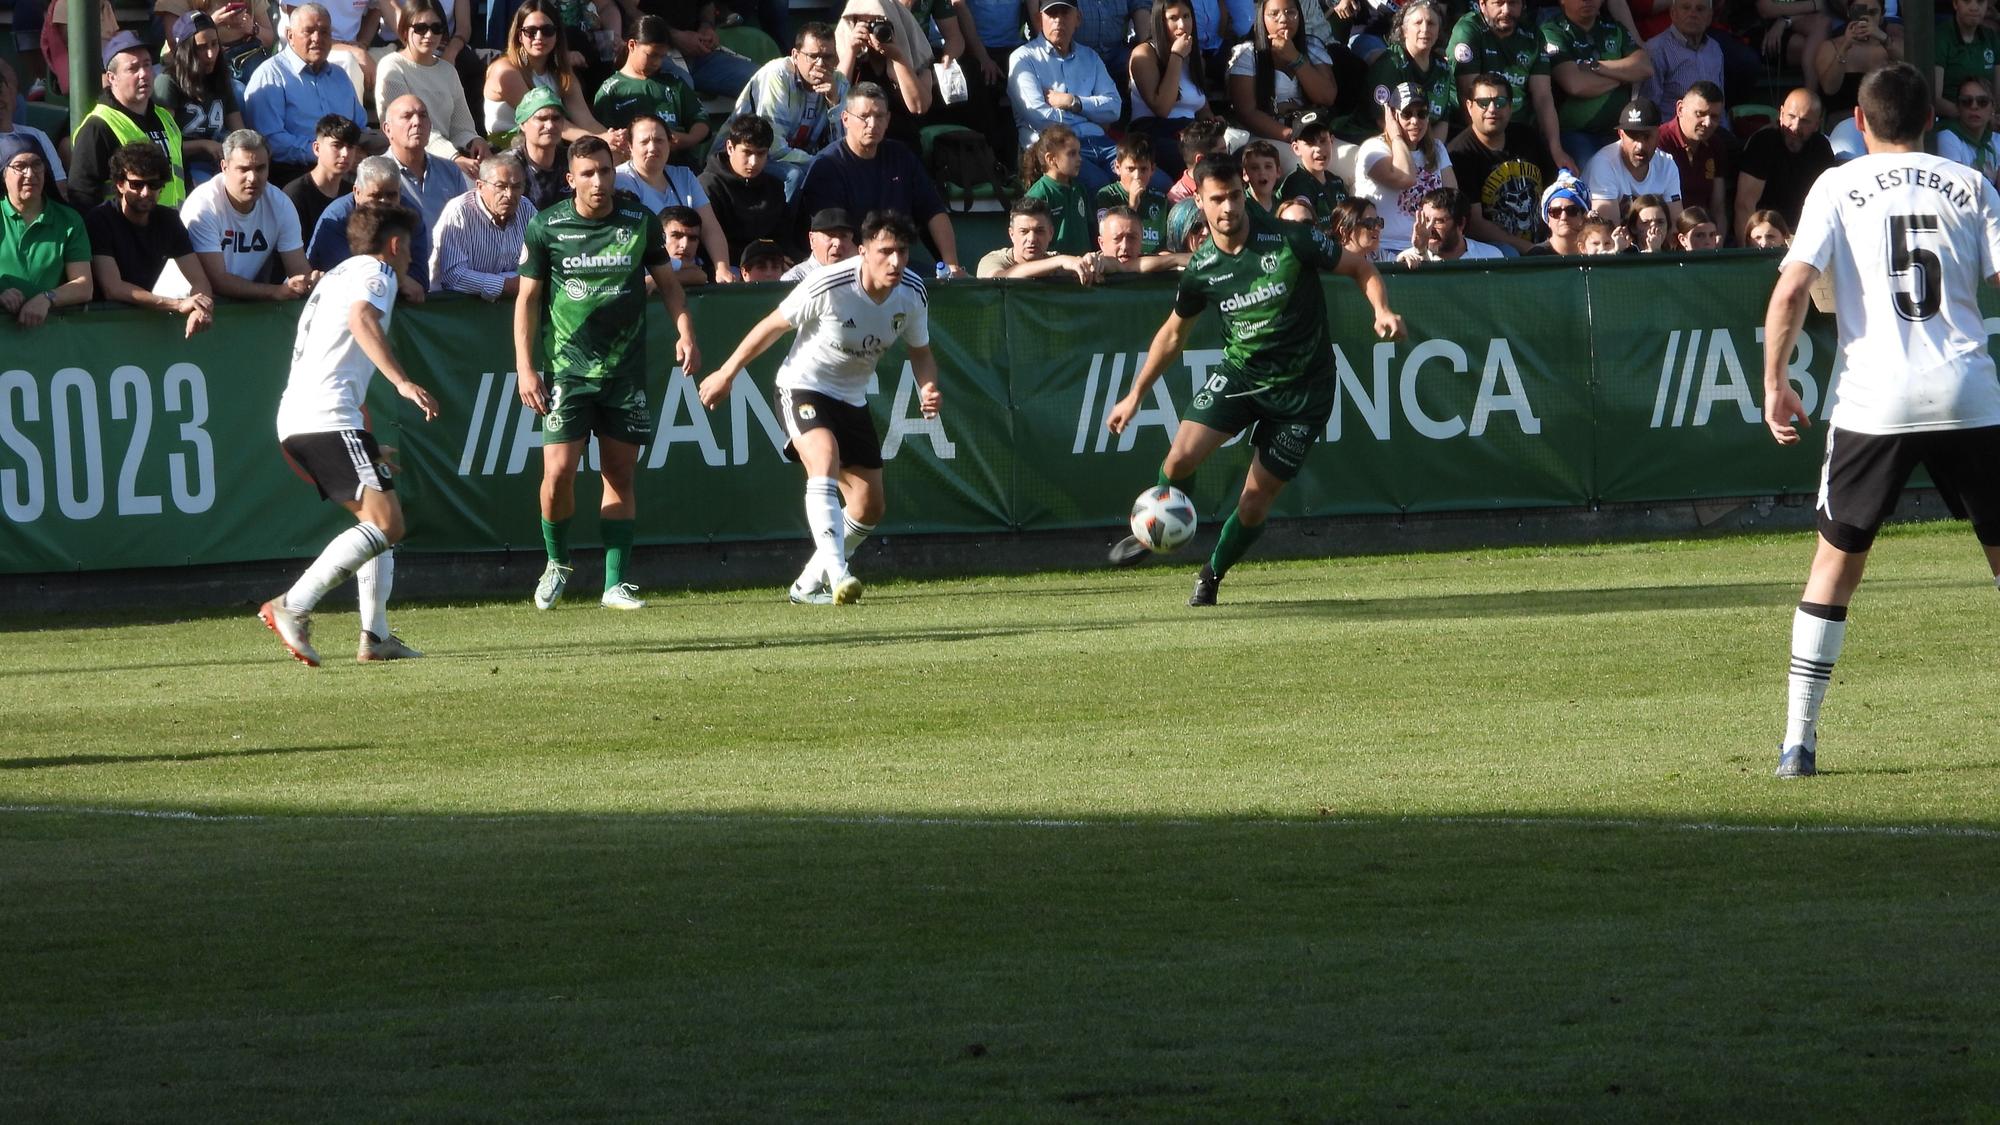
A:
x,y
1163,519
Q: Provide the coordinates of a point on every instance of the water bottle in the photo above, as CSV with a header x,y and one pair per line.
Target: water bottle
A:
x,y
943,271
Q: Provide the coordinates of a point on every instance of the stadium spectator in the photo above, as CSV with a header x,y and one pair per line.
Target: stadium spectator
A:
x,y
1297,211
1685,54
880,42
1358,228
1187,227
201,95
1966,47
831,238
288,95
44,249
132,239
1121,247
1593,64
1632,166
1490,40
712,69
336,146
1259,160
1049,171
58,15
476,244
1699,145
1415,53
661,186
1694,230
1601,236
748,205
1769,231
683,229
867,172
1839,63
239,224
1165,73
352,26
1399,165
1134,165
537,58
127,113
1648,227
1502,166
1030,229
993,35
1053,80
10,92
377,180
431,181
1438,235
1781,161
800,96
1312,182
762,260
421,69
1277,72
636,89
1968,138
1111,27
1565,203
248,38
544,154
1199,141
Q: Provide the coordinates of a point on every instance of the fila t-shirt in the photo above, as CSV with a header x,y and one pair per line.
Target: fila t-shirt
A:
x,y
330,372
842,331
246,242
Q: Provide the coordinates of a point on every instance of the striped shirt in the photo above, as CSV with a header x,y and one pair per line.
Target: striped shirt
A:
x,y
802,122
473,254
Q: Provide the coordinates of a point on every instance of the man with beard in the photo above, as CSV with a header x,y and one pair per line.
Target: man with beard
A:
x,y
1781,162
1502,167
1701,148
132,238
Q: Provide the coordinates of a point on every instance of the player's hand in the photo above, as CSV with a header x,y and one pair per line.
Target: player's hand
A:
x,y
1388,326
714,390
929,398
1121,414
688,354
533,396
1781,410
421,397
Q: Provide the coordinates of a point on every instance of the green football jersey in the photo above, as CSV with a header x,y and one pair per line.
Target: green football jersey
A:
x,y
1475,49
623,97
594,274
1273,317
1563,42
1961,60
1152,211
1394,66
1323,197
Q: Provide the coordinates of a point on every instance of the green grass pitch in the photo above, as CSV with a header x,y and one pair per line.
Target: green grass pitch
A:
x,y
1452,837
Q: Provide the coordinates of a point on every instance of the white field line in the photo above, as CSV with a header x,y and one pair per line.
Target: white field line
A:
x,y
1042,823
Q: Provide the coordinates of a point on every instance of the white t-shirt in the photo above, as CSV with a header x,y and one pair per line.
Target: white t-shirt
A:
x,y
330,372
1912,337
246,242
1284,88
1610,179
842,332
1398,209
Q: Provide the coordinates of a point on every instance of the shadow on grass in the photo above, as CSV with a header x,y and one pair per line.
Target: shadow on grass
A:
x,y
874,638
58,761
1545,603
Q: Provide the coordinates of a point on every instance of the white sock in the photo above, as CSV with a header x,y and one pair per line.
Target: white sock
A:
x,y
854,533
823,516
341,558
1815,646
372,583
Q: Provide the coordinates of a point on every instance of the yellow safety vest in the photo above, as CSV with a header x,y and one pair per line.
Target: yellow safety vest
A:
x,y
128,132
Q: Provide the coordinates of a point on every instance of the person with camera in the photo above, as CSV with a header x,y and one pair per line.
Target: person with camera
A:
x,y
879,41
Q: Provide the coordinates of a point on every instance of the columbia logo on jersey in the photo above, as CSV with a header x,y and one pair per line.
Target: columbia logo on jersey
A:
x,y
596,261
1256,296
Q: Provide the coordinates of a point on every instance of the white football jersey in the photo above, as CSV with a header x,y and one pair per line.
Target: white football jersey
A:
x,y
842,332
330,372
1906,240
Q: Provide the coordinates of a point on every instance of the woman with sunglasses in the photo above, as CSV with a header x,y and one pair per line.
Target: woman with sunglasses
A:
x,y
1565,205
1965,48
1359,229
199,92
537,54
1968,138
420,68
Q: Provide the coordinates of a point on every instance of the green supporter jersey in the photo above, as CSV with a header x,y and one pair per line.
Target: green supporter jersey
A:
x,y
1961,60
594,274
623,97
1072,212
1152,211
1475,49
1323,197
1393,67
1563,41
1273,315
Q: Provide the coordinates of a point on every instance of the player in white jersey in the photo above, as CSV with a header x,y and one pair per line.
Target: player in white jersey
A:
x,y
343,338
846,315
1906,239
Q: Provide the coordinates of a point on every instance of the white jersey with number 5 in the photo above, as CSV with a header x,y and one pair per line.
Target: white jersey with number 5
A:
x,y
842,331
1906,239
330,372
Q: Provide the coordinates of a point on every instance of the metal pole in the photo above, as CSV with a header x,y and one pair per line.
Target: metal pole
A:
x,y
86,61
1920,38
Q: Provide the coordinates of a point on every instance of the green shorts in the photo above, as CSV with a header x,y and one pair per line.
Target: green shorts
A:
x,y
613,408
1284,422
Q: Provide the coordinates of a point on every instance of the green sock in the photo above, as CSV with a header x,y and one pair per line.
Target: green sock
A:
x,y
555,540
617,544
1235,542
1185,484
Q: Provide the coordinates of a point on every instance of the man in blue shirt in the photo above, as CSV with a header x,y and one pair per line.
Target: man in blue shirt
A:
x,y
376,180
1054,80
288,95
432,180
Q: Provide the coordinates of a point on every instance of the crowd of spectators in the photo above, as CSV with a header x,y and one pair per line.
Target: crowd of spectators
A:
x,y
223,162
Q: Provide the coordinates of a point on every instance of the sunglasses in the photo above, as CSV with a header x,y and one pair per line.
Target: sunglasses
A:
x,y
1489,101
1976,101
436,29
137,184
1565,212
537,30
1376,223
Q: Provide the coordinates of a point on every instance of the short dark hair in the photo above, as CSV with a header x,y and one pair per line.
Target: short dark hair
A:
x,y
1449,200
893,223
1118,211
1204,138
1135,147
338,128
685,216
1032,206
1493,81
1895,101
142,159
1260,148
864,92
371,225
652,31
812,29
1224,168
750,129
1705,90
590,147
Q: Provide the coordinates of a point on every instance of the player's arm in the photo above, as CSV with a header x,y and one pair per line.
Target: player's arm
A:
x,y
1363,273
1782,322
714,390
1165,348
528,325
686,352
364,320
923,364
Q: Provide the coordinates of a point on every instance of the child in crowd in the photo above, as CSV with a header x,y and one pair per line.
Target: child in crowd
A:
x,y
1199,141
1134,165
1600,235
1312,143
1260,175
1049,170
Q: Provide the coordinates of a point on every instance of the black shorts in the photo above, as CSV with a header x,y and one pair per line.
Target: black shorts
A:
x,y
340,463
1864,474
853,428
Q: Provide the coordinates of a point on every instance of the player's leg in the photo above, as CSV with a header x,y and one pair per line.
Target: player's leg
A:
x,y
1194,442
345,465
1290,422
1241,529
619,463
818,453
863,502
377,577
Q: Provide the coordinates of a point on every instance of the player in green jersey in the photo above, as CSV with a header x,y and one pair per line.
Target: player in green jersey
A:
x,y
586,260
1276,379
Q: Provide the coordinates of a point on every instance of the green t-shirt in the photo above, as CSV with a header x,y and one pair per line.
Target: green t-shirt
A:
x,y
623,97
1475,49
1961,60
1152,210
1072,213
1394,66
32,255
1273,317
594,271
1563,42
1323,197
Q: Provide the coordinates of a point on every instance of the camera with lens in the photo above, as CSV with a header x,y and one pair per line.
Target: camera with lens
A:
x,y
881,30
